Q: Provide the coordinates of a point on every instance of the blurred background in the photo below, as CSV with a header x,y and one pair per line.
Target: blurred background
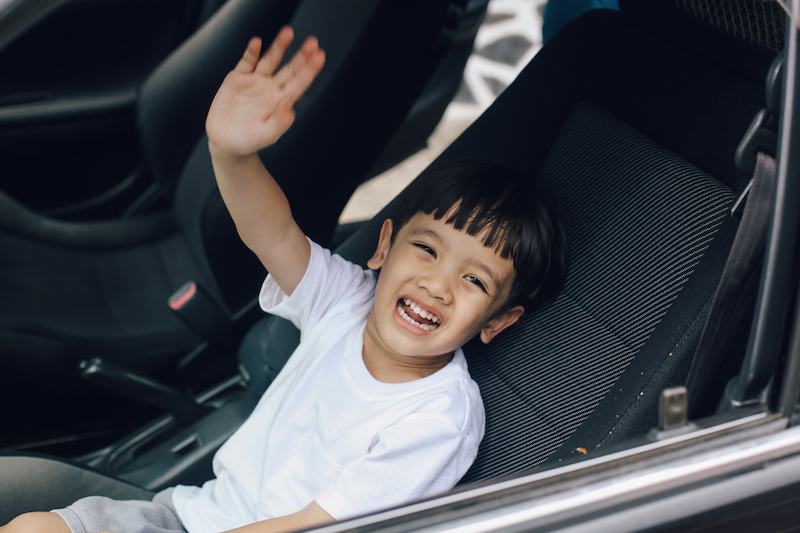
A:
x,y
508,39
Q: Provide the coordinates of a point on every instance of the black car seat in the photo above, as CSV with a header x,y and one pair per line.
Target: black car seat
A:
x,y
643,168
632,125
75,290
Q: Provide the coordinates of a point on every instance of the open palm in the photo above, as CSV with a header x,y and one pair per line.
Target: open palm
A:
x,y
254,105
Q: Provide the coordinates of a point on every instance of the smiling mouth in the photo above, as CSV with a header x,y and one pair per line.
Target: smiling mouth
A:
x,y
414,314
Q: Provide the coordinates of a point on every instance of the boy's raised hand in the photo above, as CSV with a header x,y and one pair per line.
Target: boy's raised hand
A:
x,y
254,105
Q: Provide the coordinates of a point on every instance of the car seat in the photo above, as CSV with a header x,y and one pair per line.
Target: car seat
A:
x,y
643,168
76,290
632,125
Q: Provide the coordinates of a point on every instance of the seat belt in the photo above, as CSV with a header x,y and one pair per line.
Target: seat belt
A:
x,y
737,288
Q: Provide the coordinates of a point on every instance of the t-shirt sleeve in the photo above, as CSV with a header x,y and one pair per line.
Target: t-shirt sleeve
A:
x,y
412,460
327,279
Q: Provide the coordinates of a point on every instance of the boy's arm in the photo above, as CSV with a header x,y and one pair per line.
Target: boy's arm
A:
x,y
252,109
311,516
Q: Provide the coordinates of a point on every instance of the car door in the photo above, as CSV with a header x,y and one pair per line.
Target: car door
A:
x,y
68,85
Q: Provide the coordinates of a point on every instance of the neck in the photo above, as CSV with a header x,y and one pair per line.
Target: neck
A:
x,y
389,367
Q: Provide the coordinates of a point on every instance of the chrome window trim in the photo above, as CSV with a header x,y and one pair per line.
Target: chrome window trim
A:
x,y
594,484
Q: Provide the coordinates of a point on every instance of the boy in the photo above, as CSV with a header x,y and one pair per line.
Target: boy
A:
x,y
375,407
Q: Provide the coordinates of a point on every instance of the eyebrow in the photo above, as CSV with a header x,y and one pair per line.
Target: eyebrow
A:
x,y
425,231
480,265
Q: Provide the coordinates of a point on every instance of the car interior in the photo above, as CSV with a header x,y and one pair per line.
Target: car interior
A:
x,y
630,119
108,279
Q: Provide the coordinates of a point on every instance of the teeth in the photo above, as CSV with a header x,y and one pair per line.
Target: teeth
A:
x,y
420,311
403,314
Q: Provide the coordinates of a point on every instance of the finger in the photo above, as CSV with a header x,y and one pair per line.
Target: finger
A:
x,y
304,76
278,123
284,113
272,57
309,49
248,61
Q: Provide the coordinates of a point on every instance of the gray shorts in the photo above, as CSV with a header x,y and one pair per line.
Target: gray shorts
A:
x,y
98,513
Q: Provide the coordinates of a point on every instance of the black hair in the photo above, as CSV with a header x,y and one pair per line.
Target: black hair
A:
x,y
518,223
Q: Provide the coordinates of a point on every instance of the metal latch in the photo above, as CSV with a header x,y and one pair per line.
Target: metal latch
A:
x,y
673,408
673,414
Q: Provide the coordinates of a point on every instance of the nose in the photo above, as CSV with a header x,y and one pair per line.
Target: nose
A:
x,y
436,283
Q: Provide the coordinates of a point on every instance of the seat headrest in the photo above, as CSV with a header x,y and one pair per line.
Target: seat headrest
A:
x,y
759,22
755,21
742,36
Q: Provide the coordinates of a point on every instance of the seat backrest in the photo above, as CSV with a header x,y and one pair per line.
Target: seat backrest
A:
x,y
638,219
736,43
175,98
644,187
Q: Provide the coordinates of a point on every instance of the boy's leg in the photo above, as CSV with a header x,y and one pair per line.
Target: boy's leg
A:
x,y
40,522
100,514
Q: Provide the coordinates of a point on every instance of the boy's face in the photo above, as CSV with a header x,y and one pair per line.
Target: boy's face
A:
x,y
438,288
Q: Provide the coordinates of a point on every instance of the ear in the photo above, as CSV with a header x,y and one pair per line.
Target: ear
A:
x,y
384,243
500,322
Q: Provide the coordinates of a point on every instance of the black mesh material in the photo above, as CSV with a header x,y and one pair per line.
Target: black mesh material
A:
x,y
638,219
758,21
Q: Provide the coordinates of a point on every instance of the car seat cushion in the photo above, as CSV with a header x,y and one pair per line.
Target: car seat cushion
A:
x,y
109,303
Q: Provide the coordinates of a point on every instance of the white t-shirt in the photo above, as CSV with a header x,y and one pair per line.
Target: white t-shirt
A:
x,y
326,430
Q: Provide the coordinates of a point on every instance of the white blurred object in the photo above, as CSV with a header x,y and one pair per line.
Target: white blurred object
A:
x,y
482,77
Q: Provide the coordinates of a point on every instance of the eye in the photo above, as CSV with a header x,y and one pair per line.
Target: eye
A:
x,y
425,248
476,281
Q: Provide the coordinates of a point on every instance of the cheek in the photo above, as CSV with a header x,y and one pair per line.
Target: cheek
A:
x,y
473,317
480,311
386,290
381,294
